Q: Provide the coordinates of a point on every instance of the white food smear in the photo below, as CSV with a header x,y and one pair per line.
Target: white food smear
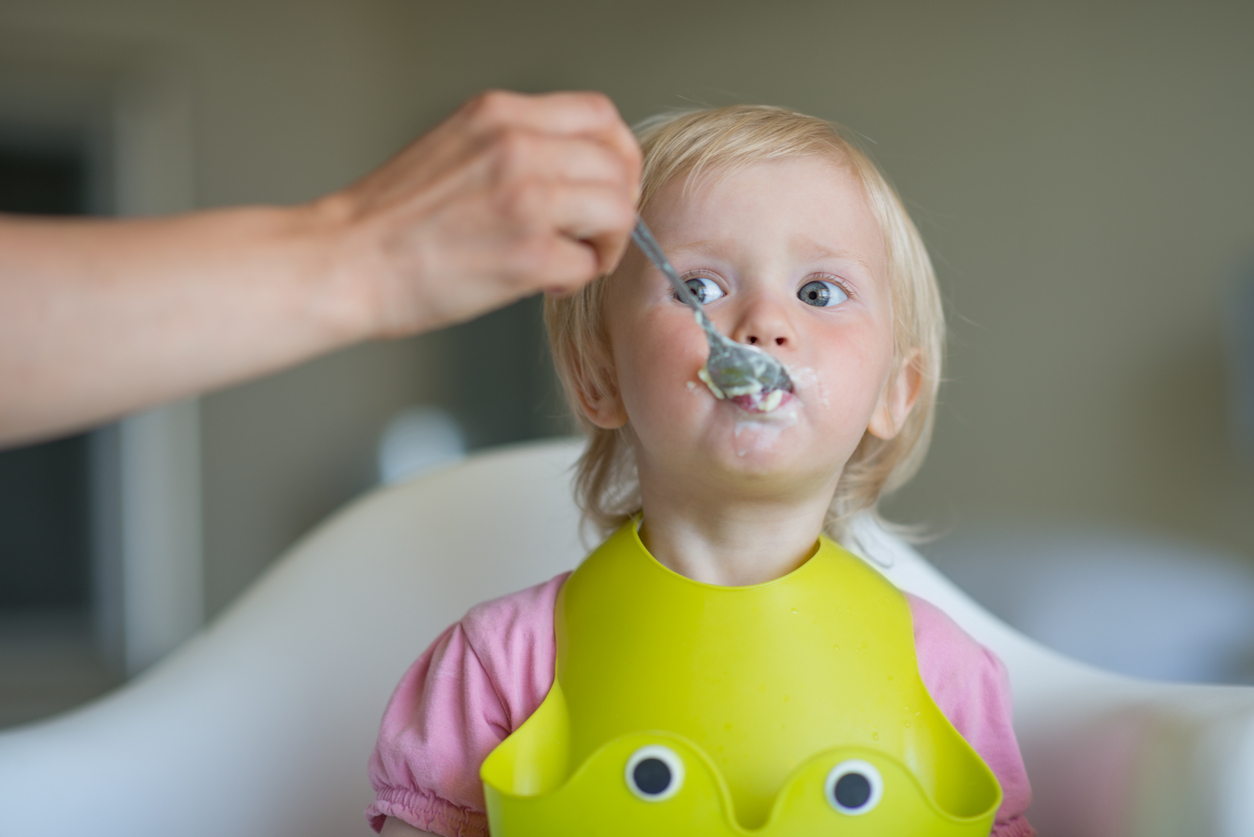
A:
x,y
807,382
760,432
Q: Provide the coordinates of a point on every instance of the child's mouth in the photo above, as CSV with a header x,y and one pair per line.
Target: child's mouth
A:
x,y
762,402
756,401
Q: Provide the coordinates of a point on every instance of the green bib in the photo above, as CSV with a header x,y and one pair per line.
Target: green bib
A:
x,y
785,709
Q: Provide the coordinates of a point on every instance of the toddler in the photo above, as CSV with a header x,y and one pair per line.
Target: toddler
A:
x,y
795,243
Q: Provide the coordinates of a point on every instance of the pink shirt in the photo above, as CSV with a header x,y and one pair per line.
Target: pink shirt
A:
x,y
489,672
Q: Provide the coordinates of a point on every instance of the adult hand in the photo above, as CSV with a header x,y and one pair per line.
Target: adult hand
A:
x,y
510,195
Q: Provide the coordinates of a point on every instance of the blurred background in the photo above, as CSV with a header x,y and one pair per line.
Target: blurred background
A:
x,y
1082,174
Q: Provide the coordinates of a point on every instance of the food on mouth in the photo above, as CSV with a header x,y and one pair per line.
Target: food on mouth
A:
x,y
760,402
751,397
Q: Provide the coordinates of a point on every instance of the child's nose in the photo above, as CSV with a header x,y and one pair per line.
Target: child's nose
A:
x,y
764,324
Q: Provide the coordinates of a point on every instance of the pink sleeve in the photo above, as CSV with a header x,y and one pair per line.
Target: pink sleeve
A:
x,y
477,682
970,686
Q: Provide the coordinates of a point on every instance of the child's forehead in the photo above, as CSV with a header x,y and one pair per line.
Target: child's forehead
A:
x,y
716,169
718,189
800,245
816,205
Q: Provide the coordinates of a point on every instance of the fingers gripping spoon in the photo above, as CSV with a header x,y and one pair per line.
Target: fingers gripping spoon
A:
x,y
734,370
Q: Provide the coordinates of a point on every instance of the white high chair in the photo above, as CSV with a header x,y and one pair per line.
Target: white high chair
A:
x,y
262,724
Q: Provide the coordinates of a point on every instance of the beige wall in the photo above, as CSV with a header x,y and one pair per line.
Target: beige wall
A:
x,y
1083,177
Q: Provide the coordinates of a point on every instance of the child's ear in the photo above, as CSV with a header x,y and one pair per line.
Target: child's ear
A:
x,y
599,399
897,399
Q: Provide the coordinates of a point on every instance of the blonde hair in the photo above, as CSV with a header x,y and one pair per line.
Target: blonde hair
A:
x,y
720,141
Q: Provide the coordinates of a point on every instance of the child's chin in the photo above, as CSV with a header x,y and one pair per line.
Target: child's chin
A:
x,y
764,441
768,473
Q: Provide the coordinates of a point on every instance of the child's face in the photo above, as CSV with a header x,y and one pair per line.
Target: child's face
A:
x,y
765,244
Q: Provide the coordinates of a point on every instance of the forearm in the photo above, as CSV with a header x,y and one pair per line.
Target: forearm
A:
x,y
102,317
508,196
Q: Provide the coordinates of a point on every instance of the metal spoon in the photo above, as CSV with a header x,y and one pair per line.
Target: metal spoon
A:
x,y
733,368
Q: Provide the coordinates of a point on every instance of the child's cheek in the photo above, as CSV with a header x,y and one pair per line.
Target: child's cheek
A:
x,y
656,383
809,387
673,348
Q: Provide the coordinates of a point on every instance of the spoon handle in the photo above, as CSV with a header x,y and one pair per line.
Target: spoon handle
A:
x,y
648,245
733,368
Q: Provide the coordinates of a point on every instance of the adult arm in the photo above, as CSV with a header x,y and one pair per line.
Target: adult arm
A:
x,y
508,196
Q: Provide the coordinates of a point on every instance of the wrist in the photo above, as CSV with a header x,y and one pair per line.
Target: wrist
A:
x,y
343,276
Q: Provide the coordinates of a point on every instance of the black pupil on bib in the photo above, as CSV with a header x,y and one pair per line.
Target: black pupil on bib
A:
x,y
852,790
652,776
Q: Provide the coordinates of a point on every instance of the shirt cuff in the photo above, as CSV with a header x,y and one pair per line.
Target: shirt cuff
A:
x,y
426,811
1014,827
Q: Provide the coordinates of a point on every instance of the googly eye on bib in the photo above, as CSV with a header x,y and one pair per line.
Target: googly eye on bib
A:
x,y
654,773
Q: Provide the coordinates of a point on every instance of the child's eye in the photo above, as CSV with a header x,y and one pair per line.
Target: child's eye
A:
x,y
704,289
821,294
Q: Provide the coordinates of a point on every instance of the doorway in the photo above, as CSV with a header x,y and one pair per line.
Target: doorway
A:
x,y
50,654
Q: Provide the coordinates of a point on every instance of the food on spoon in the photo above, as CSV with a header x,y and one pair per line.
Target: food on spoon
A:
x,y
704,374
750,387
752,396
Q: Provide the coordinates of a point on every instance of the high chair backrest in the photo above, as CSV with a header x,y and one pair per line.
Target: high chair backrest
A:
x,y
262,724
